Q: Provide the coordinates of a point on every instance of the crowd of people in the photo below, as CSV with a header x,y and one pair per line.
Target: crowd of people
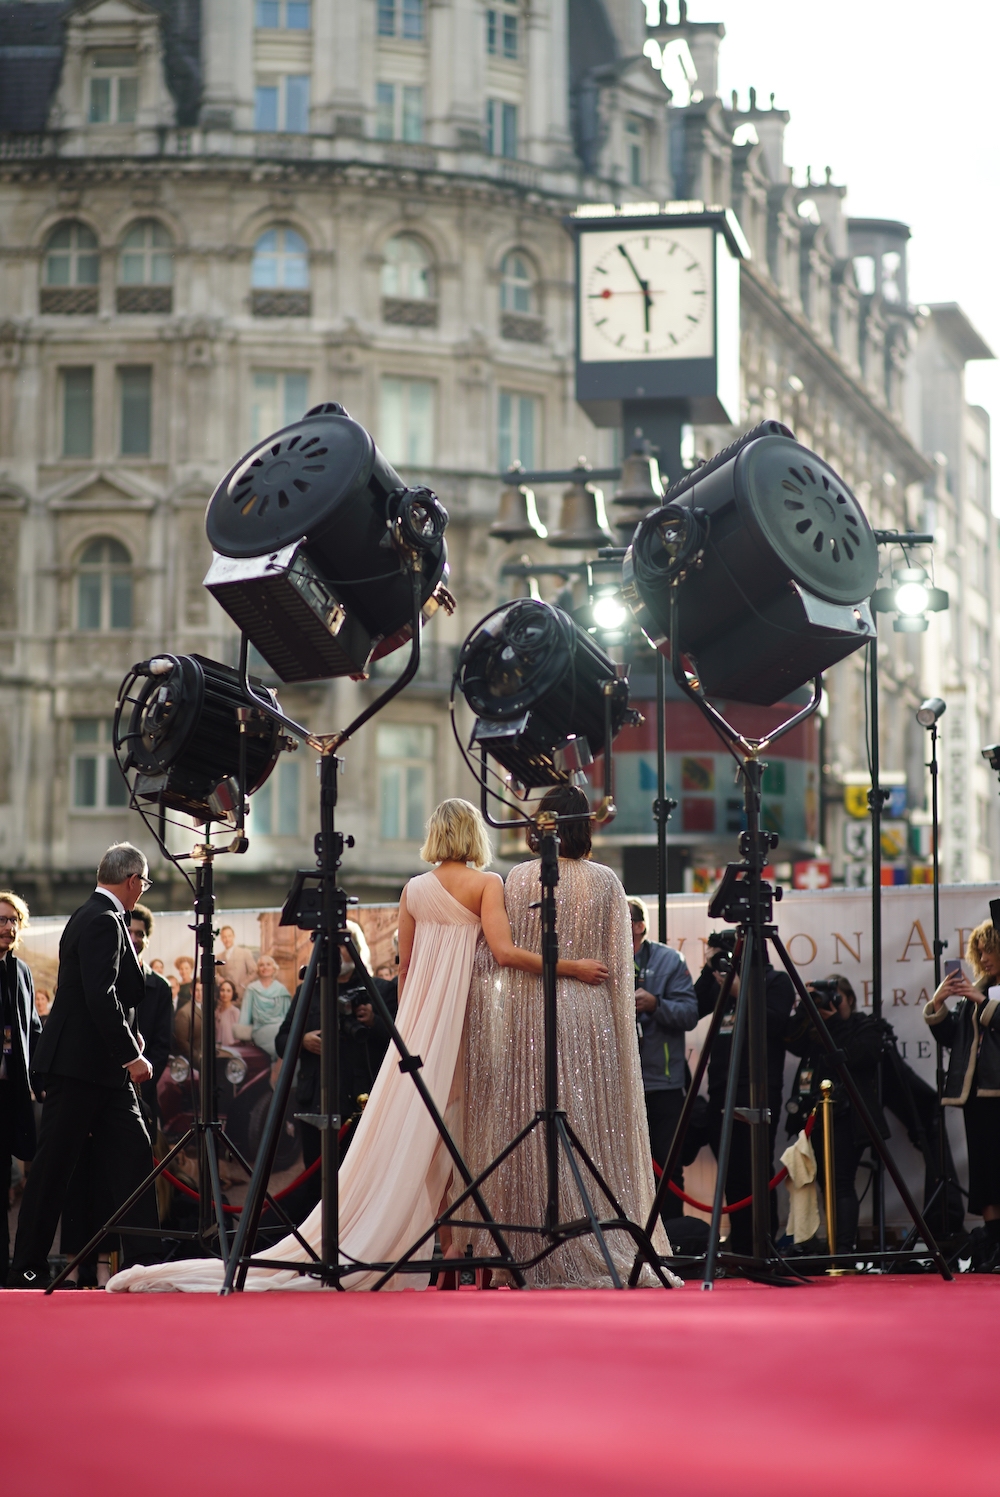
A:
x,y
467,990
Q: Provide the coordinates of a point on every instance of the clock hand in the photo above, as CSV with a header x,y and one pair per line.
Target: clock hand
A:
x,y
647,300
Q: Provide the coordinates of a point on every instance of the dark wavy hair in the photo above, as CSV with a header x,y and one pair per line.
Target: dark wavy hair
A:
x,y
574,836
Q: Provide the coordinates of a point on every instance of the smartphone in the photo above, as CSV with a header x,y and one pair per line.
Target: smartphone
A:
x,y
995,913
953,968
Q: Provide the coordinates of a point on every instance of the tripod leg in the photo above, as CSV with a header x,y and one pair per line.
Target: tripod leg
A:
x,y
644,1246
123,1210
253,1205
729,1111
412,1063
588,1208
220,1210
878,1142
680,1132
269,1199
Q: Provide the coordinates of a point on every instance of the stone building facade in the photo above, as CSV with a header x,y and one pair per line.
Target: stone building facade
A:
x,y
215,214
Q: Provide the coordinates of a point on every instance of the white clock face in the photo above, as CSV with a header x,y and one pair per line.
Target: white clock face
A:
x,y
646,294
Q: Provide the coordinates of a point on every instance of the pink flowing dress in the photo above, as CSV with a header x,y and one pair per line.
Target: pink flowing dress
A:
x,y
397,1170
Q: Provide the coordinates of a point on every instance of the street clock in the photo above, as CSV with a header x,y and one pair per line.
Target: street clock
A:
x,y
658,311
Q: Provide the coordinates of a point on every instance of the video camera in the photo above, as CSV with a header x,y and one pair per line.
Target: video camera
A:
x,y
348,1004
722,944
826,992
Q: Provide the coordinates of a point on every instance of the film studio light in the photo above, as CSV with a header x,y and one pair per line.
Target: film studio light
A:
x,y
539,686
311,531
177,734
773,562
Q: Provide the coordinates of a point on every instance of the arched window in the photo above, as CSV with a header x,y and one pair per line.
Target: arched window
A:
x,y
280,260
71,256
407,271
104,586
146,258
517,284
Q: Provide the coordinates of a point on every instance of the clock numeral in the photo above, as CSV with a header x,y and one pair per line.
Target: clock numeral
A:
x,y
601,321
619,341
673,339
697,293
691,317
646,349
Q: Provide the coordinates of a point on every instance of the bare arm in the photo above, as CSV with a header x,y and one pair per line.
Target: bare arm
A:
x,y
496,929
407,926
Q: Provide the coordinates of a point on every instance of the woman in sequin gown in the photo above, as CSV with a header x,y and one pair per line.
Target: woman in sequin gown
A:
x,y
600,1082
397,1171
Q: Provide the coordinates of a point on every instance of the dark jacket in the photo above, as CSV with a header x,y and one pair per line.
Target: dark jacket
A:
x,y
360,1052
27,1029
779,998
972,1032
663,972
154,1022
861,1041
90,1033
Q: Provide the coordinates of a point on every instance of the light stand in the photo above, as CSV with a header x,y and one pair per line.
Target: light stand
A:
x,y
317,903
745,898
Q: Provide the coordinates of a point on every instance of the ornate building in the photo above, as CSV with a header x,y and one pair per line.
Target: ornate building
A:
x,y
214,215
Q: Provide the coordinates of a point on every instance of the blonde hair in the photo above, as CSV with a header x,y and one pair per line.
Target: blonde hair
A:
x,y
456,832
364,950
7,896
985,937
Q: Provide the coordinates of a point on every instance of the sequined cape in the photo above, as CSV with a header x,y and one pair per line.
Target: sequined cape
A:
x,y
600,1083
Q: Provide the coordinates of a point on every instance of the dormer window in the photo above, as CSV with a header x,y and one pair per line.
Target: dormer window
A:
x,y
114,87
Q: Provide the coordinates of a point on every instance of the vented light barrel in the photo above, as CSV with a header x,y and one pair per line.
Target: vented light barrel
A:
x,y
774,563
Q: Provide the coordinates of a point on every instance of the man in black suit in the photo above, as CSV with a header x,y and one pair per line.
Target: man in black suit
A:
x,y
87,1203
21,1029
90,1063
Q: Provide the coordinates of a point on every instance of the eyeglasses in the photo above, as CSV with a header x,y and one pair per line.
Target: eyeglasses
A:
x,y
10,919
147,883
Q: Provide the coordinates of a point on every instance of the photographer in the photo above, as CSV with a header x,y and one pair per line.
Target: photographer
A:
x,y
971,1030
665,1007
779,996
860,1040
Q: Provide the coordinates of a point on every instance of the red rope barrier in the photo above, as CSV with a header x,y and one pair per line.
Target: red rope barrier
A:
x,y
186,1189
779,1179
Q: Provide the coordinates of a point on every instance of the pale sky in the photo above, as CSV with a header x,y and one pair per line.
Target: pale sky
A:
x,y
900,99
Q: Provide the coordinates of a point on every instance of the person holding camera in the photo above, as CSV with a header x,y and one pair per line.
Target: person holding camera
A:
x,y
861,1040
971,1031
665,1008
779,996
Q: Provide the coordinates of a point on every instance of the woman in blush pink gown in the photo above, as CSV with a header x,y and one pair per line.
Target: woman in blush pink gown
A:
x,y
397,1171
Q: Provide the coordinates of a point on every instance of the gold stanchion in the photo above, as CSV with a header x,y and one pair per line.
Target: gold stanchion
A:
x,y
830,1185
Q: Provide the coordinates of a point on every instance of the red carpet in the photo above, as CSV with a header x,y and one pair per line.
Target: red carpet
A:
x,y
859,1387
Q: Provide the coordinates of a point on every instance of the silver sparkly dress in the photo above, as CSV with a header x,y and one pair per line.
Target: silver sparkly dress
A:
x,y
600,1083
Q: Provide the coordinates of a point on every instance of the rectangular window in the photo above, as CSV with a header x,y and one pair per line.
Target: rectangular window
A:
x,y
406,421
288,15
508,142
492,32
96,779
268,15
405,774
517,429
297,103
78,412
385,111
413,20
136,385
100,101
386,18
277,398
633,151
510,36
274,809
114,91
297,17
413,113
128,99
501,129
265,115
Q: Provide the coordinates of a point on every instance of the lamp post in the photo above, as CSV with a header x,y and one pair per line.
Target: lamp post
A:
x,y
910,598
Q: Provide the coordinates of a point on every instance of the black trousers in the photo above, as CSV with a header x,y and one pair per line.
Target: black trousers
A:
x,y
662,1112
73,1111
739,1177
6,1159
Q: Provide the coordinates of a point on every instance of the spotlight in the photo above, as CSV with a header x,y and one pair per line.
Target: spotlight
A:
x,y
537,683
992,756
313,532
929,711
910,598
182,737
610,612
772,560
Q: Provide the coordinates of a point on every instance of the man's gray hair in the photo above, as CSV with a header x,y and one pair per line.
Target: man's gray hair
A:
x,y
120,862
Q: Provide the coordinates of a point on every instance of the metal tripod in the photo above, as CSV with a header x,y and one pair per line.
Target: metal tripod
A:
x,y
206,1129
